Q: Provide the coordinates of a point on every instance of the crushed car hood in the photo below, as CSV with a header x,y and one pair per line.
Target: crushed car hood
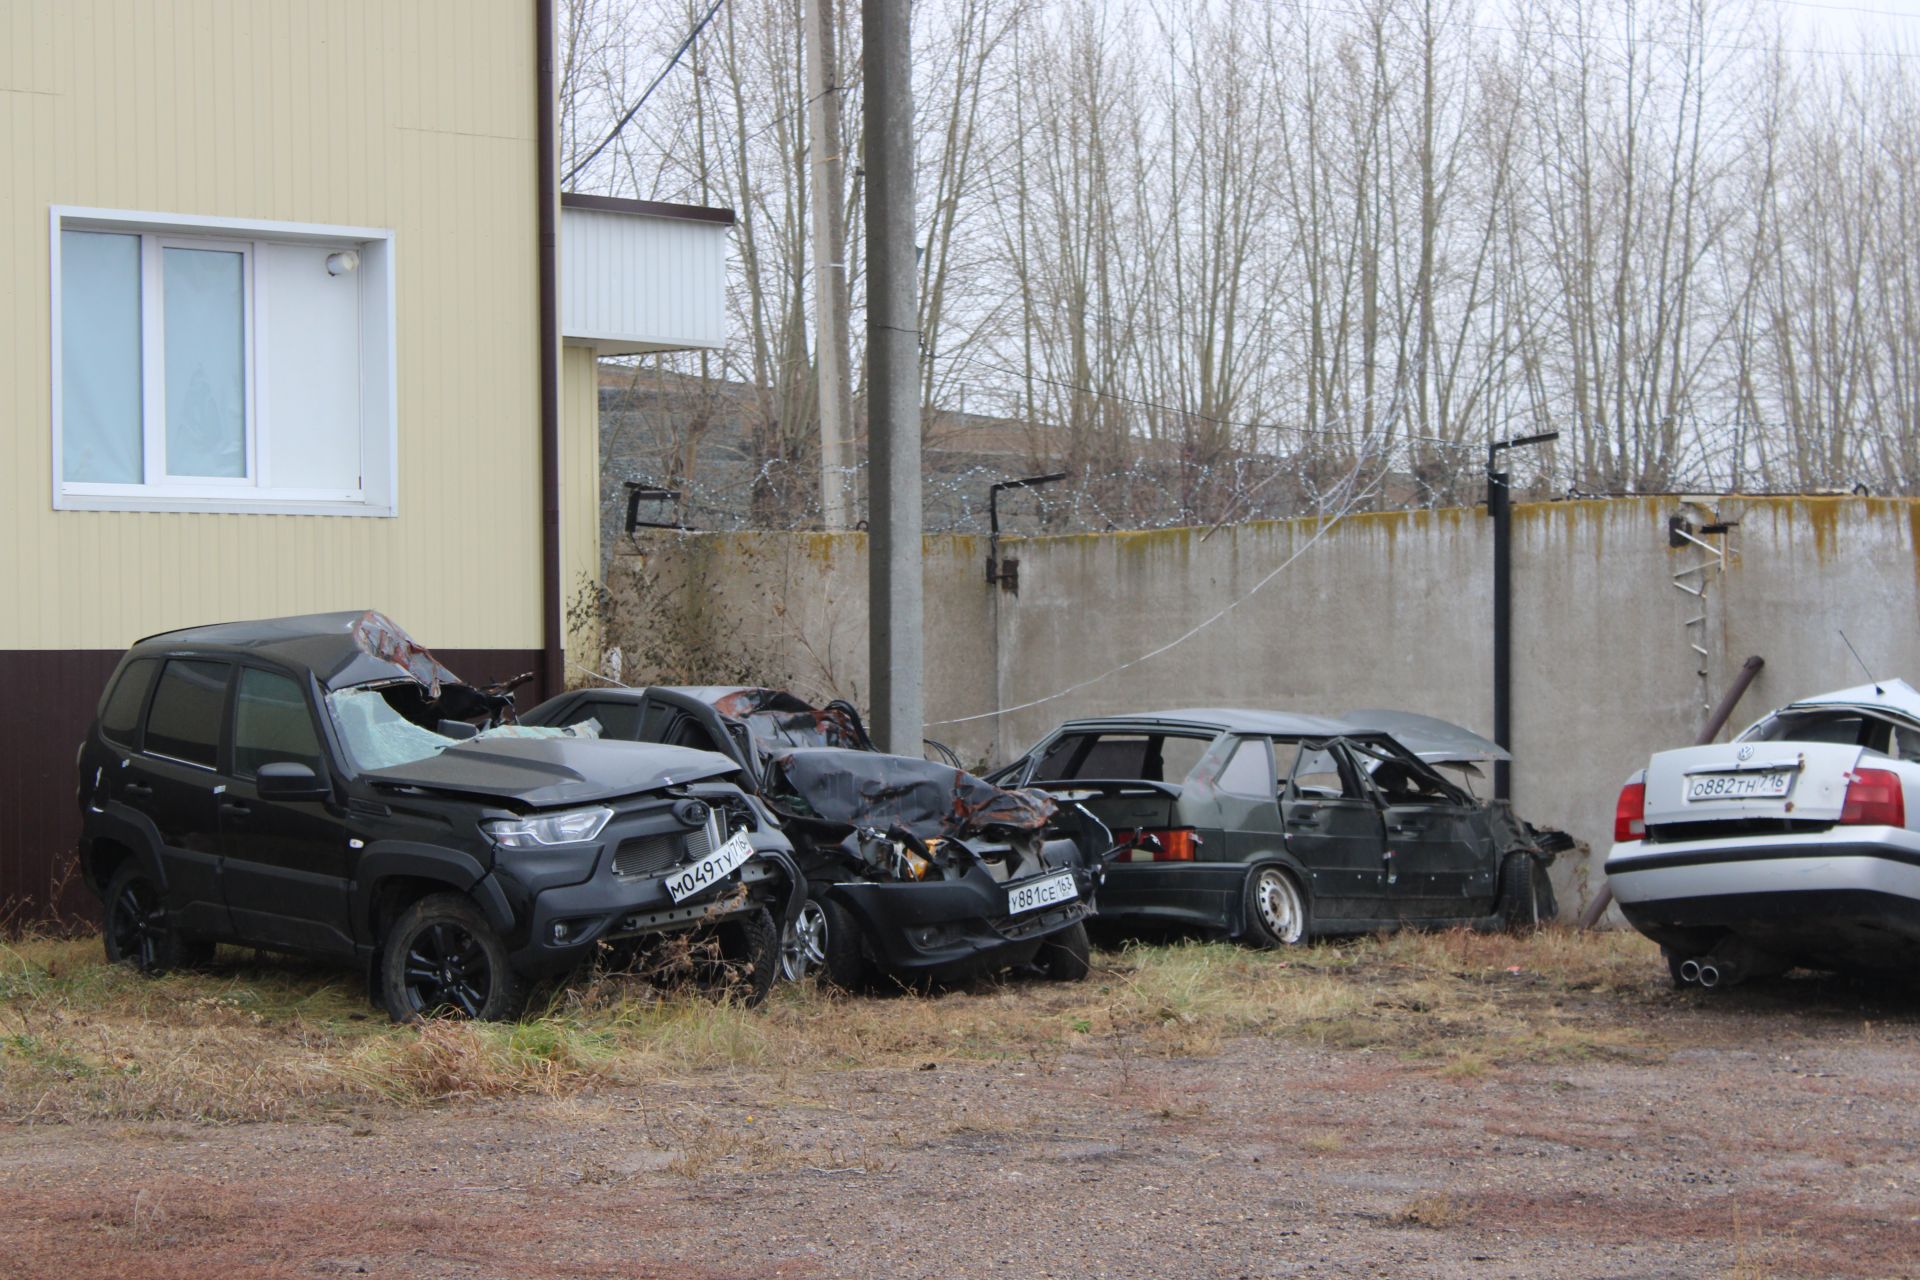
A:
x,y
543,773
878,792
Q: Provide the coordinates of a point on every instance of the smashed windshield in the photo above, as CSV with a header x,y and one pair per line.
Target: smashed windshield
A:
x,y
376,736
1844,726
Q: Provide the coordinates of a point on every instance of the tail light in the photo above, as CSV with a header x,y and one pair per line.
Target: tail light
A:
x,y
1174,845
1874,800
1630,814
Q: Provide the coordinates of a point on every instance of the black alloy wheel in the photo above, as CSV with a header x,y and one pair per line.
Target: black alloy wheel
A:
x,y
137,932
441,958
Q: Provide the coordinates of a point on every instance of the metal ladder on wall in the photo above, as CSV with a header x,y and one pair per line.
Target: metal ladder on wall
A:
x,y
1694,579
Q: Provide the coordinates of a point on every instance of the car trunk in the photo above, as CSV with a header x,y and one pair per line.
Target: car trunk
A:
x,y
1123,806
1733,788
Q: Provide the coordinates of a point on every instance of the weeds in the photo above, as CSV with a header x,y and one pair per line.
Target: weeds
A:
x,y
251,1040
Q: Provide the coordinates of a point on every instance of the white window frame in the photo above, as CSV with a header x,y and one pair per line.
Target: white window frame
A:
x,y
377,494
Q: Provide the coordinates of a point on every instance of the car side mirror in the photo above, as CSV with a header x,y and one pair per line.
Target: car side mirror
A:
x,y
290,780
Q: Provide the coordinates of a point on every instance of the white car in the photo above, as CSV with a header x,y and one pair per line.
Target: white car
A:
x,y
1790,845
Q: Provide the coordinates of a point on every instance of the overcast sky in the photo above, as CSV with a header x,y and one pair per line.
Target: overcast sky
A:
x,y
1854,24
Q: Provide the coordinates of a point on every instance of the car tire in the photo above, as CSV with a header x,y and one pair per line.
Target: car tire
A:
x,y
846,966
1067,956
746,959
137,931
1519,894
1276,908
803,947
441,957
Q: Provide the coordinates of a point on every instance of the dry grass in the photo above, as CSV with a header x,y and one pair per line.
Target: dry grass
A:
x,y
259,1040
1436,1210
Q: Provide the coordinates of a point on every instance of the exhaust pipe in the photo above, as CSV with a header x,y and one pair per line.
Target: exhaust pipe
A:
x,y
1709,975
1690,972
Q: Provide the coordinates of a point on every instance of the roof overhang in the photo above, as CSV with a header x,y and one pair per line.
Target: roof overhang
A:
x,y
642,275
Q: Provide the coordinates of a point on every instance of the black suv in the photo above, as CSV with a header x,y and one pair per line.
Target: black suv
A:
x,y
317,785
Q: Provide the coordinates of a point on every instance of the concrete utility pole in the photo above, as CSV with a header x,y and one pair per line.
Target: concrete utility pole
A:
x,y
829,260
894,601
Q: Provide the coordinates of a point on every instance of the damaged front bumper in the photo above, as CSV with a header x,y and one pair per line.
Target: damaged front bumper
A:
x,y
951,928
566,922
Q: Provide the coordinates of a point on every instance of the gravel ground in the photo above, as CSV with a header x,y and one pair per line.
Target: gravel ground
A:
x,y
1775,1134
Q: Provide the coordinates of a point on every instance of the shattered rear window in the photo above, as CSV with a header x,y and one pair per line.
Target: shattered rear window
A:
x,y
1119,756
1844,728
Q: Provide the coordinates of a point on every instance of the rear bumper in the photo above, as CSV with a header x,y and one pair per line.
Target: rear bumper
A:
x,y
1871,859
1852,904
947,929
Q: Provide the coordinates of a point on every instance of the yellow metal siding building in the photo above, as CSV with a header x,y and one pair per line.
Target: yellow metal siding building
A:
x,y
352,188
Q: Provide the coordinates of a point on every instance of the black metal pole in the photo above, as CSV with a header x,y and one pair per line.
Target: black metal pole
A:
x,y
1500,508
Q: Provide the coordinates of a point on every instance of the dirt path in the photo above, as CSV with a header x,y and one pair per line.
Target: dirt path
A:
x,y
1777,1136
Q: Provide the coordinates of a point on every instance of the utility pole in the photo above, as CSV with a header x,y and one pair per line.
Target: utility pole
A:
x,y
894,602
1500,508
829,259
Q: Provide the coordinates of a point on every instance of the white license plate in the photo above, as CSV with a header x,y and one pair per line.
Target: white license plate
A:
x,y
1740,786
1048,892
711,869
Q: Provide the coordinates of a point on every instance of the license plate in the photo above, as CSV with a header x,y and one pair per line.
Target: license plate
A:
x,y
1048,892
711,869
1739,786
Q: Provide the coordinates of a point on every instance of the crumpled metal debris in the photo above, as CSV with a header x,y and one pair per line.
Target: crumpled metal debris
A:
x,y
774,716
876,792
381,637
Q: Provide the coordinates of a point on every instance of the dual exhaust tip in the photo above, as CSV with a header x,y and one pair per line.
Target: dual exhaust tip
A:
x,y
1702,973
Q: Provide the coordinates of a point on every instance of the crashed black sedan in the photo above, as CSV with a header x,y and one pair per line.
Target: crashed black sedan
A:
x,y
322,785
916,870
1277,828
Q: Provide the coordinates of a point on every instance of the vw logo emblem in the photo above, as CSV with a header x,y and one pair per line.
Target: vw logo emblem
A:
x,y
1746,753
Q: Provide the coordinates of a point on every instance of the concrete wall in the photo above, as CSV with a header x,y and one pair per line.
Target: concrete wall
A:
x,y
1385,610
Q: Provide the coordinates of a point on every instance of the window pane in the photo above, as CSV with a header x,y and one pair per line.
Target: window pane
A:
x,y
184,721
100,358
1249,773
617,719
122,710
206,363
1178,757
271,722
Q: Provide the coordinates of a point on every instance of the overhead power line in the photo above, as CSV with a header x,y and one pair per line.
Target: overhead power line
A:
x,y
631,111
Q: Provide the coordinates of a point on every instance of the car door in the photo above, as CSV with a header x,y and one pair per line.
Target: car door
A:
x,y
1440,840
174,781
288,862
1246,791
1334,829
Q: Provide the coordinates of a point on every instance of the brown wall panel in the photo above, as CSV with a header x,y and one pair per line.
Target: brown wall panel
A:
x,y
49,696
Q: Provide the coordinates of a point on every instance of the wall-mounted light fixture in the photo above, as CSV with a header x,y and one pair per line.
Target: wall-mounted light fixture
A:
x,y
342,263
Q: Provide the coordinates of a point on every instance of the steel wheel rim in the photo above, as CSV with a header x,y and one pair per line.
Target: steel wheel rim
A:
x,y
447,968
138,925
1279,905
804,948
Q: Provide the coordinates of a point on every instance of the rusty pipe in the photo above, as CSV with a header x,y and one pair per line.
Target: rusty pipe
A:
x,y
1716,721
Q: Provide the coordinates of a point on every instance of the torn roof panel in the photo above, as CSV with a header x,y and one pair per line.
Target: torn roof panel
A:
x,y
341,649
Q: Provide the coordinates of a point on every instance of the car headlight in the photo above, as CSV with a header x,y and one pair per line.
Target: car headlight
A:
x,y
572,827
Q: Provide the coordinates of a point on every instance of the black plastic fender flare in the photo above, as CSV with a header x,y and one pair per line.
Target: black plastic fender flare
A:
x,y
1286,862
385,860
125,826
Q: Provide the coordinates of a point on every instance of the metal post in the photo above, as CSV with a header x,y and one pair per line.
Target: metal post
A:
x,y
894,599
829,268
1500,509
